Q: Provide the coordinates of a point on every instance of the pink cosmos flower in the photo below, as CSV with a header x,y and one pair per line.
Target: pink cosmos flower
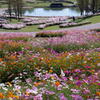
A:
x,y
38,97
76,97
67,72
98,84
77,70
87,66
50,92
86,91
62,97
64,78
29,80
75,90
79,83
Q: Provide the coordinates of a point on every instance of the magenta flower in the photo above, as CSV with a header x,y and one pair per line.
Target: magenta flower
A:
x,y
47,76
20,52
87,66
75,90
31,91
50,92
67,72
17,87
29,80
77,70
86,91
76,97
79,83
76,78
64,78
38,97
98,84
62,97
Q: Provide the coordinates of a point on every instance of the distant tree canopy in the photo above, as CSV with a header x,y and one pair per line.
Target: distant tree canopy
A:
x,y
15,6
89,5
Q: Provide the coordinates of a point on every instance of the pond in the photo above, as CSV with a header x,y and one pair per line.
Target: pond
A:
x,y
52,12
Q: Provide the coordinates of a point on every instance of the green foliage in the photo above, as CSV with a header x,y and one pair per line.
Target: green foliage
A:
x,y
87,5
97,30
49,35
70,47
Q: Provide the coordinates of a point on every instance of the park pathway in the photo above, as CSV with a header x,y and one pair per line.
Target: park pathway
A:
x,y
85,27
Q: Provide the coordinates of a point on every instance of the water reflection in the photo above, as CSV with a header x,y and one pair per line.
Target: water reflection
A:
x,y
52,12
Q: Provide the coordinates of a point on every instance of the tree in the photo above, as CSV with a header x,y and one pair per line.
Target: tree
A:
x,y
88,5
9,8
95,5
16,7
81,5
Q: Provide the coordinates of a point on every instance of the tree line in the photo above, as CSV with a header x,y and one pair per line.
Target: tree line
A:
x,y
15,7
88,6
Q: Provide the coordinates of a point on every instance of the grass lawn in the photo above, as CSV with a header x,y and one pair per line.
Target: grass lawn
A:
x,y
3,5
14,21
94,19
26,29
42,4
34,28
35,5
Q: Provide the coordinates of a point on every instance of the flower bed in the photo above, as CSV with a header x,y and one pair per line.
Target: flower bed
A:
x,y
31,72
42,22
3,21
74,41
73,24
45,21
13,26
42,26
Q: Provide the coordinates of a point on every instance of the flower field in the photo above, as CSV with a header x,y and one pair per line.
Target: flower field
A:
x,y
75,41
57,67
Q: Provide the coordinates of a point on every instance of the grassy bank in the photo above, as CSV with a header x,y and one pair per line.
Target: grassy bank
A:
x,y
34,28
36,4
93,19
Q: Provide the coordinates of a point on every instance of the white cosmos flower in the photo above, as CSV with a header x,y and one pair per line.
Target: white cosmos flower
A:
x,y
98,64
4,88
62,73
71,78
2,85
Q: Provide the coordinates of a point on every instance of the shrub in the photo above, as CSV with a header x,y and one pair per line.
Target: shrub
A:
x,y
97,30
49,35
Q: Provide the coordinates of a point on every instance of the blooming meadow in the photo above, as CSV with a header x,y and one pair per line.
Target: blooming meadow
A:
x,y
65,67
